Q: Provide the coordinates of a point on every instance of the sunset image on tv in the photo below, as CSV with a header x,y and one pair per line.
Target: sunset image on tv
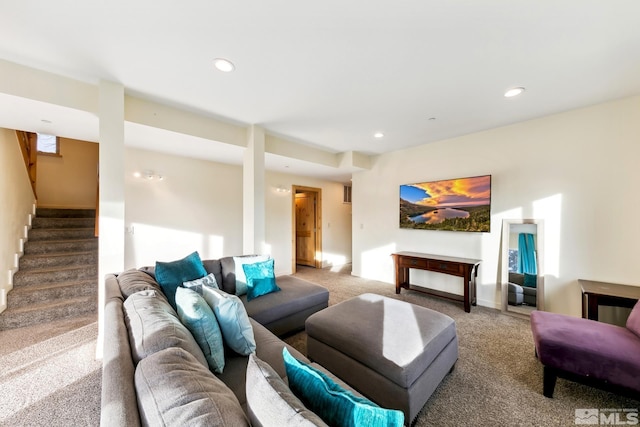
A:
x,y
462,204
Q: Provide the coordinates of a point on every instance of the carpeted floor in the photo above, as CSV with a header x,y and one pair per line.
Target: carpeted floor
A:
x,y
497,380
49,377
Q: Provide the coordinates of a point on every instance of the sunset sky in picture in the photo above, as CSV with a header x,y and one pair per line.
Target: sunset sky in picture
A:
x,y
461,192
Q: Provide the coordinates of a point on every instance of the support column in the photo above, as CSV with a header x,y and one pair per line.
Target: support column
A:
x,y
253,197
111,197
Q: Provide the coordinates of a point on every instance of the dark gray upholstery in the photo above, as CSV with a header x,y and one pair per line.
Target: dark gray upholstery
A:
x,y
286,311
520,294
393,352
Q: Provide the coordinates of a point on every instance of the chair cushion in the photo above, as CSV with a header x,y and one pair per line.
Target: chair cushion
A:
x,y
174,389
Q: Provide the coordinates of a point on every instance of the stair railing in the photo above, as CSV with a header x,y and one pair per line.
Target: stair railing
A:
x,y
28,142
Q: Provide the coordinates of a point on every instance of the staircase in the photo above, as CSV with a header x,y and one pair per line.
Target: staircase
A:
x,y
58,273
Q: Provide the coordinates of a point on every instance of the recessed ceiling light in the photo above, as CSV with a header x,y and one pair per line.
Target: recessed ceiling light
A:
x,y
46,121
513,92
432,118
224,65
378,135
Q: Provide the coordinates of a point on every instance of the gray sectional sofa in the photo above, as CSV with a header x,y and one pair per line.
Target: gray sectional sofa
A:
x,y
157,365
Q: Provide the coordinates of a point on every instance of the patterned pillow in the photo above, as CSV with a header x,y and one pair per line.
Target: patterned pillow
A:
x,y
196,285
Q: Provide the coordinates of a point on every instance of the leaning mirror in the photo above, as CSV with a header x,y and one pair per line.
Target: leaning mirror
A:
x,y
521,266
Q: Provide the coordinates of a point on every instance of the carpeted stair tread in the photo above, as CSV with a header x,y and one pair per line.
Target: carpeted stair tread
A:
x,y
54,274
61,245
39,261
44,292
65,213
45,312
41,234
39,223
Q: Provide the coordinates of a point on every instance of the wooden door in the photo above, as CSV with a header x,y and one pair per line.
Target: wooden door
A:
x,y
306,228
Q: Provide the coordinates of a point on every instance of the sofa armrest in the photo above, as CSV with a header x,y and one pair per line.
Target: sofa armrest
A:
x,y
119,405
515,289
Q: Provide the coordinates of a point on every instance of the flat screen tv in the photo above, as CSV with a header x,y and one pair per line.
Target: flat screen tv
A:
x,y
462,204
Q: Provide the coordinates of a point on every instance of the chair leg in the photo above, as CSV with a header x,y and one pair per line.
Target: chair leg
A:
x,y
549,381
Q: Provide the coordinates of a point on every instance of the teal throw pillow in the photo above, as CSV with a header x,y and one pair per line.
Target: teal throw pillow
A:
x,y
335,405
530,280
261,279
233,320
239,261
170,275
197,316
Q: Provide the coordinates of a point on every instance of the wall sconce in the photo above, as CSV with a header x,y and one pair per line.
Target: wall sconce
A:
x,y
281,189
149,175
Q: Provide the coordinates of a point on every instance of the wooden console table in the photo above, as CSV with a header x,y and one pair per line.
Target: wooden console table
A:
x,y
462,267
595,294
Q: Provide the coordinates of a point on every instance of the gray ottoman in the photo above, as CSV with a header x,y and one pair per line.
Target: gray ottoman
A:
x,y
393,352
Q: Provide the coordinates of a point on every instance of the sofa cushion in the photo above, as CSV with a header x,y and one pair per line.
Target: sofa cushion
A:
x,y
196,285
335,405
172,274
132,281
633,321
174,389
297,295
261,279
214,267
197,316
233,320
153,326
270,402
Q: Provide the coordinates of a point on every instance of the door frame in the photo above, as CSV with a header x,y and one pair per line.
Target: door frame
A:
x,y
318,213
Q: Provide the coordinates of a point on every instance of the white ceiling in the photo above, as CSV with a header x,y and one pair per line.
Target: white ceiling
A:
x,y
329,74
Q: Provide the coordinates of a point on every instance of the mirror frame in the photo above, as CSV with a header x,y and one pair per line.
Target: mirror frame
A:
x,y
504,263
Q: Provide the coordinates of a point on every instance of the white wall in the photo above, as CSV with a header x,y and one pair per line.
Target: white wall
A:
x,y
17,209
576,170
198,206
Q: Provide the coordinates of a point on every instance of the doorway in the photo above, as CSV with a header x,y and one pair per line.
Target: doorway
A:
x,y
307,227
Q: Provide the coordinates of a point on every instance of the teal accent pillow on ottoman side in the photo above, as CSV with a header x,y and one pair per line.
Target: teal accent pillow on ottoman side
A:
x,y
170,275
336,406
261,279
530,280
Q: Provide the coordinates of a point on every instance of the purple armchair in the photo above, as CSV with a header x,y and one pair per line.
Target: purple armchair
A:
x,y
594,353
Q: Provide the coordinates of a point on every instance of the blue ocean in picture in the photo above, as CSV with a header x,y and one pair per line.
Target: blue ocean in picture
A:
x,y
439,215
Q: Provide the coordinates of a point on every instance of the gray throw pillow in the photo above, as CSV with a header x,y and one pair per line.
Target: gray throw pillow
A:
x,y
270,402
196,285
132,281
174,389
153,326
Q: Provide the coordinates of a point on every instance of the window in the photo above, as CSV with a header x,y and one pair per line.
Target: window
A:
x,y
347,194
48,144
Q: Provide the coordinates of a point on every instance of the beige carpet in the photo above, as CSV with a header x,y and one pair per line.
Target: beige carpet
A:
x,y
497,380
49,377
